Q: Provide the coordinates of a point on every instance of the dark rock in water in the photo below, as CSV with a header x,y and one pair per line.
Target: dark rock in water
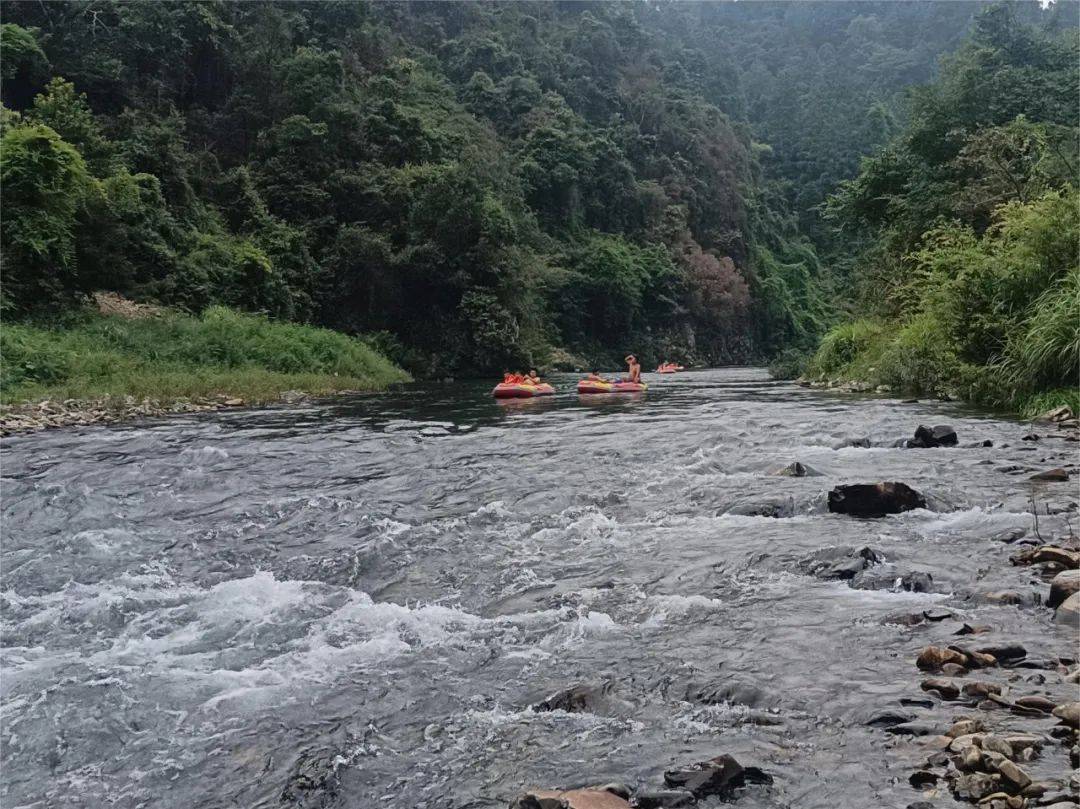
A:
x,y
768,508
874,499
917,582
916,702
975,444
940,436
864,443
921,805
719,776
975,786
576,699
797,470
1068,612
664,799
1030,437
922,778
887,718
1005,653
842,562
1009,535
946,689
1057,475
731,691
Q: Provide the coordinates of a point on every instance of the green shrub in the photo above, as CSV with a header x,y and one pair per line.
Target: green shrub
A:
x,y
919,359
841,346
790,363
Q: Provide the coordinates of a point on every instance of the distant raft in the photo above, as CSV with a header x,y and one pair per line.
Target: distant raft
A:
x,y
520,390
597,386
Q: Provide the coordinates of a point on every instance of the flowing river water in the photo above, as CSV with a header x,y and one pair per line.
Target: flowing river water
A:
x,y
354,603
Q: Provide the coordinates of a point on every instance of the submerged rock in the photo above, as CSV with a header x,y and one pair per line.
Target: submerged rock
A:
x,y
797,470
927,437
874,499
583,698
664,799
718,777
932,658
842,562
1058,475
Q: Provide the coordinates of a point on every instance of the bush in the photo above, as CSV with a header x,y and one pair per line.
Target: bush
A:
x,y
841,345
789,364
919,359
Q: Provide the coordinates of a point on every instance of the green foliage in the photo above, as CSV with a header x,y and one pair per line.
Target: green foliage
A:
x,y
175,355
44,182
841,345
24,67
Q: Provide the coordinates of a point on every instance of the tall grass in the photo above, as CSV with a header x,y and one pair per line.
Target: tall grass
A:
x,y
180,356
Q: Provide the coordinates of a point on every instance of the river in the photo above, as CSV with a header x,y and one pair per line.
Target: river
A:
x,y
354,603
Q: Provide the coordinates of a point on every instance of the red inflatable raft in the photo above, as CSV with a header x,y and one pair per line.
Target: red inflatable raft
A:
x,y
519,390
594,386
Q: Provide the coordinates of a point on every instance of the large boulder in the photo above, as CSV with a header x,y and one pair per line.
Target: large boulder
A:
x,y
874,499
940,436
1063,585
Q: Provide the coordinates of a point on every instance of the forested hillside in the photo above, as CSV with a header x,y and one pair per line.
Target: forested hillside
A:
x,y
474,185
964,230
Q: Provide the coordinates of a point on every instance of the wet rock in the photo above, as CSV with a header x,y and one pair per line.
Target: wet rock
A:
x,y
768,508
569,799
718,776
923,778
914,729
996,744
1068,713
840,563
731,691
928,437
1059,475
980,689
932,658
962,743
1034,702
1063,585
916,582
1009,535
965,727
797,470
887,718
975,786
978,629
1068,612
615,788
874,499
663,799
1010,597
975,444
864,443
1031,437
916,702
1006,654
946,689
1014,777
584,698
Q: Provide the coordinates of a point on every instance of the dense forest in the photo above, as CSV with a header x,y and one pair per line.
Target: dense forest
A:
x,y
473,186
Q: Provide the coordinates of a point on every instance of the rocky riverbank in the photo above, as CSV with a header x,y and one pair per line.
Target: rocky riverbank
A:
x,y
30,417
990,723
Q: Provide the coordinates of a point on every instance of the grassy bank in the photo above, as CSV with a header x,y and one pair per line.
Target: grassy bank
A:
x,y
175,356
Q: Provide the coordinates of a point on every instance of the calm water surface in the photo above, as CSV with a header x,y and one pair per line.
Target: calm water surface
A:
x,y
354,603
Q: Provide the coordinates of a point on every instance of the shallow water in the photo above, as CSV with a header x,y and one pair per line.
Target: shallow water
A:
x,y
354,603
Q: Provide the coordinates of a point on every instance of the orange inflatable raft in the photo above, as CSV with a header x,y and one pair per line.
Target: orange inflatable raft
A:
x,y
596,386
520,390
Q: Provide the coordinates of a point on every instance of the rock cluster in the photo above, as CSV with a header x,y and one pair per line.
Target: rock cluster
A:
x,y
721,777
82,412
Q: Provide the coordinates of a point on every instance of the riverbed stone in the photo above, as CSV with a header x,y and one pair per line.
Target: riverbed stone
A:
x,y
932,658
582,698
1068,713
569,799
1063,585
874,499
1068,612
941,435
718,776
946,689
975,786
797,469
1058,475
663,799
979,688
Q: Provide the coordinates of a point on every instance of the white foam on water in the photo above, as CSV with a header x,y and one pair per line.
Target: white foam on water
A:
x,y
977,520
670,607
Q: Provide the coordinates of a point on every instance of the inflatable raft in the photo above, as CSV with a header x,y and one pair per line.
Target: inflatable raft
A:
x,y
593,386
519,390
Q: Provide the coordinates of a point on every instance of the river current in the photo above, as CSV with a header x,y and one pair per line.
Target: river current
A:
x,y
355,603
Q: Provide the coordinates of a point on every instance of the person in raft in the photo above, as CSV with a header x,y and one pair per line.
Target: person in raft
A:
x,y
594,376
533,378
634,372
